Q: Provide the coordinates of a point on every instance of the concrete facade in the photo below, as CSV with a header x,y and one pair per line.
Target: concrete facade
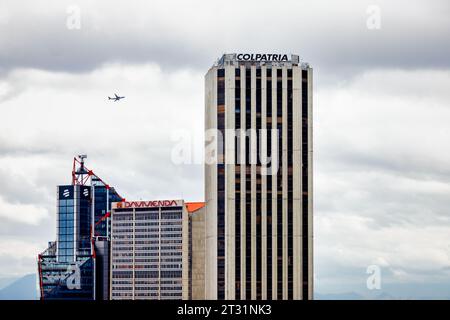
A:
x,y
197,220
258,223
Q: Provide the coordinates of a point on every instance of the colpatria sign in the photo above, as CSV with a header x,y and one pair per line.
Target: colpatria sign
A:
x,y
261,57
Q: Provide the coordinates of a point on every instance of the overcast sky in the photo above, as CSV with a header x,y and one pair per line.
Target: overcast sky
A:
x,y
381,112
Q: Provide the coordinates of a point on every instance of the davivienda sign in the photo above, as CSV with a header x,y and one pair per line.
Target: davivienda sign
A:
x,y
261,57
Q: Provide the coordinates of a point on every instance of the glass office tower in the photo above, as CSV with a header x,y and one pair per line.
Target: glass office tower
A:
x,y
70,268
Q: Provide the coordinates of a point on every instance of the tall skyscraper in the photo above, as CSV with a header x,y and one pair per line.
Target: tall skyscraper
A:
x,y
258,178
75,266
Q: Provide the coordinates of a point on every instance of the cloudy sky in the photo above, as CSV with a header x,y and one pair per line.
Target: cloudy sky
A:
x,y
381,109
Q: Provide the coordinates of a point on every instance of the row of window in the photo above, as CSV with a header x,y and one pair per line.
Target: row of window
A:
x,y
246,104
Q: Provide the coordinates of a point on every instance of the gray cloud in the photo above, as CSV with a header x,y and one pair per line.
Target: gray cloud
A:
x,y
381,119
332,36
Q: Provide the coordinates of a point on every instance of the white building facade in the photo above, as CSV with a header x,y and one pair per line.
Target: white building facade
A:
x,y
149,250
258,178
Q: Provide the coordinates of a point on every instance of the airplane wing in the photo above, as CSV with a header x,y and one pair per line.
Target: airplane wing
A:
x,y
116,95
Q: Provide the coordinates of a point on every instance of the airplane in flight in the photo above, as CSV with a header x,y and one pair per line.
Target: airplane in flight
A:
x,y
116,98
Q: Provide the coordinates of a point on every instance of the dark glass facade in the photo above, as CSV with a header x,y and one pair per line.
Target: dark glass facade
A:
x,y
221,186
237,122
290,186
67,268
258,188
305,183
103,197
269,183
66,224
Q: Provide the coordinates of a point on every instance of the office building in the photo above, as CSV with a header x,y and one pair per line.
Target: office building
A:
x,y
150,250
73,266
197,250
258,178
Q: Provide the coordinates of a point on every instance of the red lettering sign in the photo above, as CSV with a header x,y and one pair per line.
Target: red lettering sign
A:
x,y
149,204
